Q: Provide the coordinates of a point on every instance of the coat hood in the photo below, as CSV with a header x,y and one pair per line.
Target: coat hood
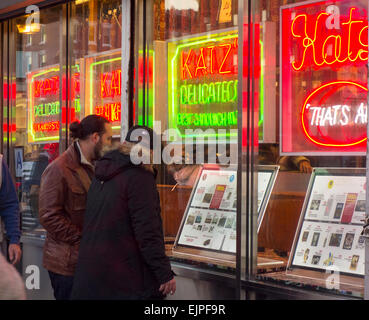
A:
x,y
117,160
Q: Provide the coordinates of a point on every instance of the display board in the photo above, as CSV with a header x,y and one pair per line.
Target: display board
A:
x,y
210,217
266,179
328,236
209,222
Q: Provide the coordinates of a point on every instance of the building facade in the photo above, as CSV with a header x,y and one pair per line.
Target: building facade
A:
x,y
273,95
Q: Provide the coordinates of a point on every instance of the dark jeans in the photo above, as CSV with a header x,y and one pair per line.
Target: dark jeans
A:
x,y
62,285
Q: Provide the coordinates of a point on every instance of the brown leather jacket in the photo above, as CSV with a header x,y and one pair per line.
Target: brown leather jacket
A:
x,y
62,202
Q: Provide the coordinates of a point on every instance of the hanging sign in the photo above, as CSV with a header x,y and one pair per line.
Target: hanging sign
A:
x,y
44,109
203,82
103,87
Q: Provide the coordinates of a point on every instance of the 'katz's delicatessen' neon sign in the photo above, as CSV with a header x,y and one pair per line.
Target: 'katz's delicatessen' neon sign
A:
x,y
324,53
44,109
202,82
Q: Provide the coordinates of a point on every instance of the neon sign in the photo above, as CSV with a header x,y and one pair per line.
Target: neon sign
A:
x,y
213,59
340,116
202,88
208,119
347,45
45,114
110,84
324,78
46,87
103,89
213,92
110,111
47,109
47,126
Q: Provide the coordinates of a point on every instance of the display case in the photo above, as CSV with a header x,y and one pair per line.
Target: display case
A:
x,y
207,232
328,247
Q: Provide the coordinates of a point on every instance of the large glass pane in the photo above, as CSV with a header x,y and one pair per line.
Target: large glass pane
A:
x,y
36,113
95,60
312,92
187,82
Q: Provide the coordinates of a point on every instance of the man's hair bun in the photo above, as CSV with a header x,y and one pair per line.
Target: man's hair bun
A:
x,y
89,125
75,129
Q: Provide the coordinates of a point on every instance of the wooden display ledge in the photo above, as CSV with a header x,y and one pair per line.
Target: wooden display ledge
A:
x,y
264,263
269,261
318,279
220,259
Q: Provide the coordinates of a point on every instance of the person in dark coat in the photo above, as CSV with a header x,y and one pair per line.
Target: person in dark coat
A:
x,y
122,252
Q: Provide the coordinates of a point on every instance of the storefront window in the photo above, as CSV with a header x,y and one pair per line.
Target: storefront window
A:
x,y
35,100
311,154
96,57
187,90
58,78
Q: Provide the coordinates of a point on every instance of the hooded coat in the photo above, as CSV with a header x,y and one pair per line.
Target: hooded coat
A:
x,y
122,252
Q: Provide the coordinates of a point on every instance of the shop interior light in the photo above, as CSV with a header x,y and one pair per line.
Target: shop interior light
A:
x,y
28,29
77,2
182,5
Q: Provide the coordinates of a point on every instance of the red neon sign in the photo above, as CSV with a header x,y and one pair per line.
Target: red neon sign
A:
x,y
110,84
331,117
12,127
46,126
46,87
213,60
320,46
110,111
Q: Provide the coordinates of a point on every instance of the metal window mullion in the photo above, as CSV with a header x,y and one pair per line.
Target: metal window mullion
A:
x,y
366,255
126,68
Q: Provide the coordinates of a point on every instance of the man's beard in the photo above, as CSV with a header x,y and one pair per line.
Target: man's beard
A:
x,y
100,150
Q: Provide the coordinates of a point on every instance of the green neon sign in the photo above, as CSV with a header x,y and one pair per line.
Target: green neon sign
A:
x,y
32,112
47,109
217,119
206,101
207,93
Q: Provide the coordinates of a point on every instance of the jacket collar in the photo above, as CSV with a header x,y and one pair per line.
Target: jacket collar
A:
x,y
82,157
73,157
73,162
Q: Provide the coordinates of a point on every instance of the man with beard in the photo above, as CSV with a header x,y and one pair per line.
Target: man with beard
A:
x,y
62,199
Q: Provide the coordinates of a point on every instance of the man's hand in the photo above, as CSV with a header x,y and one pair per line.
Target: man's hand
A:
x,y
15,253
305,166
168,287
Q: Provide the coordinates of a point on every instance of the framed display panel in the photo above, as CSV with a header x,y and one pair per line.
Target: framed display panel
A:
x,y
208,229
328,237
266,179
